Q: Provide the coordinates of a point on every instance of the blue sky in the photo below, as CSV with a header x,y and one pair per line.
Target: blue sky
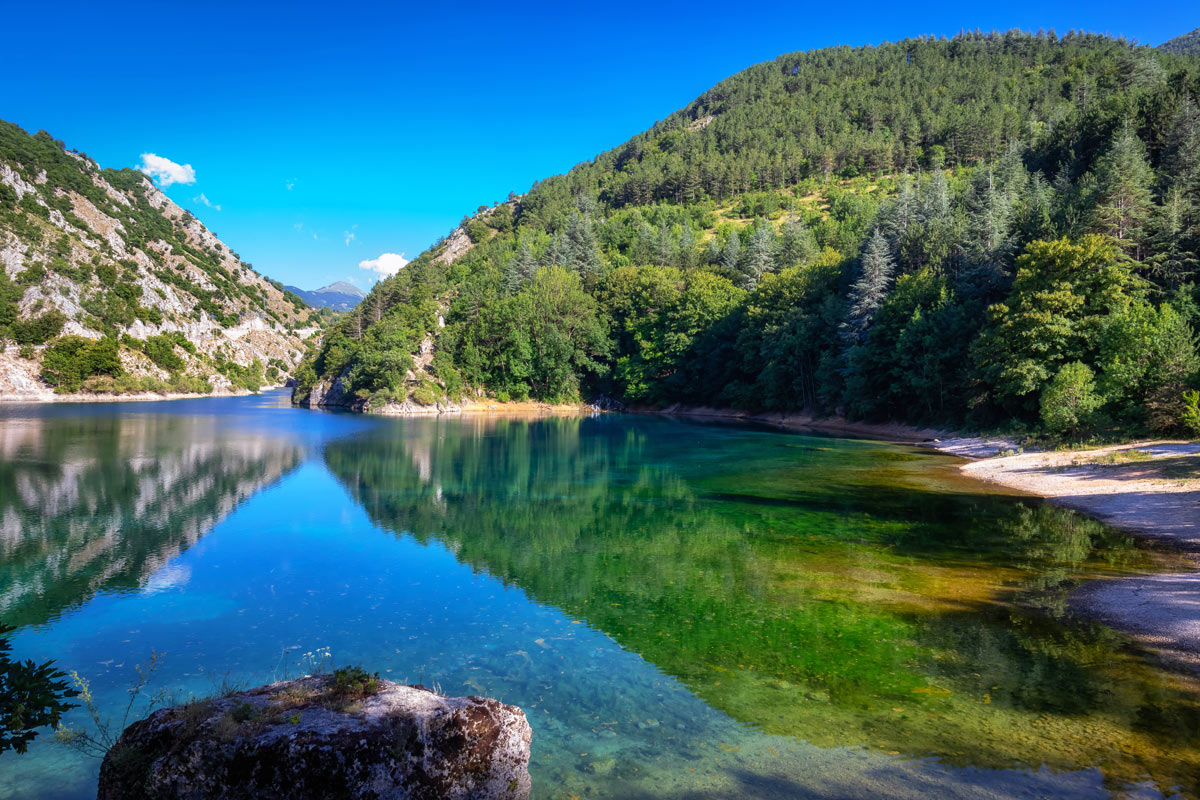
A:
x,y
329,134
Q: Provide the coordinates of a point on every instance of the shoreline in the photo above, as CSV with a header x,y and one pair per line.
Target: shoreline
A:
x,y
1150,489
134,397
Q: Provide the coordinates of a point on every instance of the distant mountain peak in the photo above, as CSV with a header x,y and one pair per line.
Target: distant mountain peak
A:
x,y
339,295
342,287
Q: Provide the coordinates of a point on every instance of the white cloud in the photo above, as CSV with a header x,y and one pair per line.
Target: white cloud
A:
x,y
290,184
349,235
203,199
386,264
164,171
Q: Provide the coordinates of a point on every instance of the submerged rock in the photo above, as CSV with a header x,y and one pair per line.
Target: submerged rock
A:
x,y
309,739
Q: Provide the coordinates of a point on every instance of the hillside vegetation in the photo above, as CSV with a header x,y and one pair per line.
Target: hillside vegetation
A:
x,y
108,286
998,229
1188,43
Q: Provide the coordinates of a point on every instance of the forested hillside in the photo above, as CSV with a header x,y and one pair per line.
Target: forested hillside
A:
x,y
1187,43
993,229
107,286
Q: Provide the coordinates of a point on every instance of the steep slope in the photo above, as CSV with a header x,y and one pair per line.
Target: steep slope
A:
x,y
122,290
838,230
1187,44
339,296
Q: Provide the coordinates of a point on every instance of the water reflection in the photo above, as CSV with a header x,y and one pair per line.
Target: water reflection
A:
x,y
817,588
93,502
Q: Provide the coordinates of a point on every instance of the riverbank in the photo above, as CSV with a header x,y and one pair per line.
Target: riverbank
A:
x,y
1151,489
133,397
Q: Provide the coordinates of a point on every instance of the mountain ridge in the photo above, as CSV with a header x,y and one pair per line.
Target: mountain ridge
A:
x,y
841,231
123,290
339,295
1185,44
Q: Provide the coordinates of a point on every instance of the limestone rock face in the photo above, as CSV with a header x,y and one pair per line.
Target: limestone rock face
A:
x,y
327,393
299,739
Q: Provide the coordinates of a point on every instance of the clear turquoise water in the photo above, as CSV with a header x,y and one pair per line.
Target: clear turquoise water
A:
x,y
683,610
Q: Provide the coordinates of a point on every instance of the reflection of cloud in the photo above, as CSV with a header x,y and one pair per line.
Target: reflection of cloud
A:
x,y
172,576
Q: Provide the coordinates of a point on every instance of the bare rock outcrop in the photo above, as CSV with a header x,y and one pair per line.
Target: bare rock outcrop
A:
x,y
308,739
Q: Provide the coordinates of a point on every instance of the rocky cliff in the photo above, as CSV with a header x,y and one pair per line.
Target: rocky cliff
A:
x,y
104,254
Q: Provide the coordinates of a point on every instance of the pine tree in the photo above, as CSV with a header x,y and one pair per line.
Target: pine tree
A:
x,y
935,202
1181,149
520,268
796,244
687,247
1123,181
1171,260
897,216
731,256
581,251
664,246
760,254
556,254
871,288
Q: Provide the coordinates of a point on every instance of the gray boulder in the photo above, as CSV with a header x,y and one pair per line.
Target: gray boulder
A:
x,y
314,738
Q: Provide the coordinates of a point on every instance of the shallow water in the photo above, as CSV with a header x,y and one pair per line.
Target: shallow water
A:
x,y
683,610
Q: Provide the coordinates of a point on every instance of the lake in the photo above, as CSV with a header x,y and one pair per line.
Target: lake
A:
x,y
683,610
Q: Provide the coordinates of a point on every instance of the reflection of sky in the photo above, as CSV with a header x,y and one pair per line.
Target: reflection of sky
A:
x,y
299,566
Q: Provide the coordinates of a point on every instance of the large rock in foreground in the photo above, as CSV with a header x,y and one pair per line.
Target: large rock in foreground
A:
x,y
313,738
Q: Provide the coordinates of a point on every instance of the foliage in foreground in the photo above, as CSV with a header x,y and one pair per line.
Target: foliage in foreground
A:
x,y
32,696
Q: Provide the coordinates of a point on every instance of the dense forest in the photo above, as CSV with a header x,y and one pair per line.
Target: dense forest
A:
x,y
992,230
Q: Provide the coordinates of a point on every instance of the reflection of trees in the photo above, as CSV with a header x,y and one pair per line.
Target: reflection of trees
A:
x,y
100,503
839,602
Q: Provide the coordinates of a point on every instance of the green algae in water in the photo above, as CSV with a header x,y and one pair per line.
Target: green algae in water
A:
x,y
834,595
682,610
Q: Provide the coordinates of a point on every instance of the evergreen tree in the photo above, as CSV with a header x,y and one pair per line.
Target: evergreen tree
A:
x,y
557,253
871,288
664,247
1181,149
760,254
581,251
520,268
731,256
796,244
1171,261
1123,183
687,248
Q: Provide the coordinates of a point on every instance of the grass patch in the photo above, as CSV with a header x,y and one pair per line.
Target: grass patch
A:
x,y
1117,457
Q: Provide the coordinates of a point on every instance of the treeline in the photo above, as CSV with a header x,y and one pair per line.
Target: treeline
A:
x,y
993,229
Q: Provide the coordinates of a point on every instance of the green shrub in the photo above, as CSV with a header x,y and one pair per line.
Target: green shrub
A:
x,y
1191,412
72,359
161,350
1069,399
427,394
39,329
354,683
477,231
